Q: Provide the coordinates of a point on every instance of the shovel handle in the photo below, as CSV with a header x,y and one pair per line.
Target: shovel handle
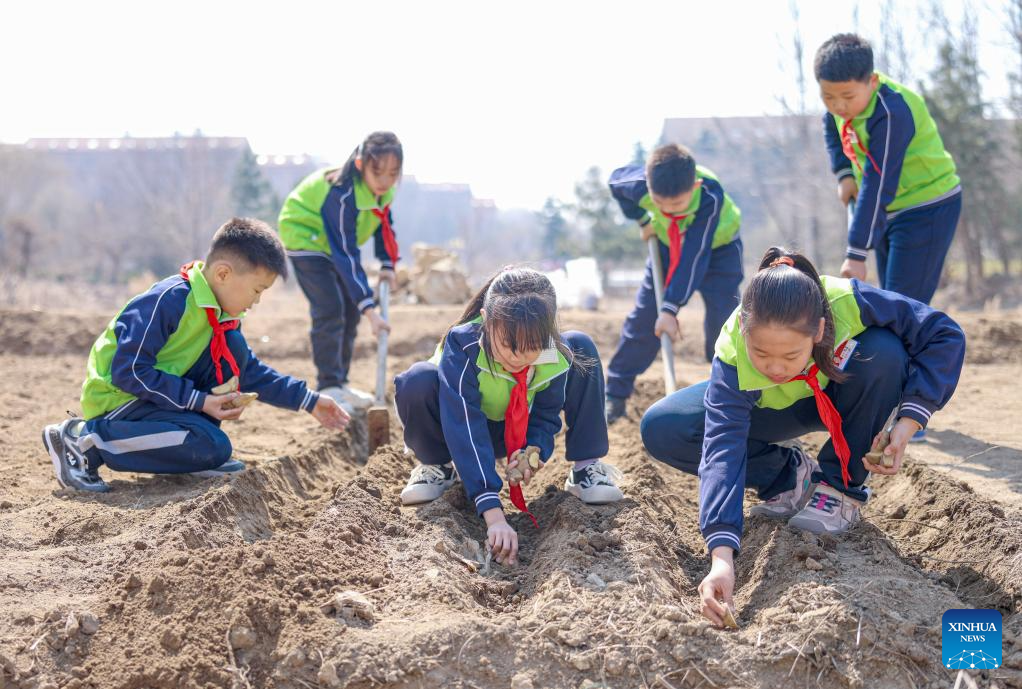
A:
x,y
666,346
381,350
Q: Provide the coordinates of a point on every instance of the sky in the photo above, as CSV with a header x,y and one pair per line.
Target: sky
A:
x,y
515,99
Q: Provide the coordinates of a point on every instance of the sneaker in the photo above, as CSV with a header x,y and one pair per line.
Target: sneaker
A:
x,y
919,436
614,408
427,483
231,466
788,503
828,511
596,484
69,464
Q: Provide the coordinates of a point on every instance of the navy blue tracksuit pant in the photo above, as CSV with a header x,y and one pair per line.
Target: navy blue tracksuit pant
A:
x,y
910,254
142,437
672,429
638,346
335,318
417,397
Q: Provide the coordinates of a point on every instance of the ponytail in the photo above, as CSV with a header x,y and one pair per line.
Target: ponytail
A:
x,y
788,291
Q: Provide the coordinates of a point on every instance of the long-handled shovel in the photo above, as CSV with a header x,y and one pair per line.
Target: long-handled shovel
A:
x,y
378,418
666,348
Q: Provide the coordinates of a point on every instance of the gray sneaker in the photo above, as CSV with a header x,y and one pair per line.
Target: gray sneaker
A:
x,y
427,483
69,464
228,468
828,511
791,501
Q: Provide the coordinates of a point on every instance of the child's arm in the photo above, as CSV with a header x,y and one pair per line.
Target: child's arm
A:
x,y
891,129
142,330
628,187
696,250
934,342
276,388
339,216
839,163
725,453
464,424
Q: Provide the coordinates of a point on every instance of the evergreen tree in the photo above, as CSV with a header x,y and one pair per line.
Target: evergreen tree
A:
x,y
252,195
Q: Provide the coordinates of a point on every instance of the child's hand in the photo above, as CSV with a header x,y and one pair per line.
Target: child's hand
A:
x,y
667,323
214,406
525,469
854,269
647,231
388,276
847,189
900,435
376,321
718,585
330,414
502,538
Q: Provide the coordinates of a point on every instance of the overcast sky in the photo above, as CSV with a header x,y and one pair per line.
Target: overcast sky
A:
x,y
516,99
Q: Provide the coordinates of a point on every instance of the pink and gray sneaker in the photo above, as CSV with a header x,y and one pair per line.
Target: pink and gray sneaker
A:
x,y
828,511
789,502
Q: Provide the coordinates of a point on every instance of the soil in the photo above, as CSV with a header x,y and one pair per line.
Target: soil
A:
x,y
305,571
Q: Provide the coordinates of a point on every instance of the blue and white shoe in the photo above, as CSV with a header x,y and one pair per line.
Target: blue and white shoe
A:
x,y
69,463
789,502
228,468
828,511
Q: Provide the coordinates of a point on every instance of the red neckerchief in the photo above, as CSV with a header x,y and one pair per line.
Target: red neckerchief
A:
x,y
830,416
516,422
674,235
218,348
848,141
389,240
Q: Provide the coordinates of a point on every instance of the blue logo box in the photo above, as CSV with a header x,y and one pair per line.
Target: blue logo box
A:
x,y
971,639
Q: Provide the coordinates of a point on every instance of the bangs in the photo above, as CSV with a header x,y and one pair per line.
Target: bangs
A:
x,y
527,326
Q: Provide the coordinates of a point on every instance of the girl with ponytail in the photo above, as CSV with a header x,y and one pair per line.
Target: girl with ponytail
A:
x,y
496,387
802,353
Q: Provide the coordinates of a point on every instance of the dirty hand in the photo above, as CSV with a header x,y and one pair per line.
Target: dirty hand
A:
x,y
213,406
853,269
330,414
900,435
390,277
502,538
525,468
647,231
376,321
667,323
717,588
847,190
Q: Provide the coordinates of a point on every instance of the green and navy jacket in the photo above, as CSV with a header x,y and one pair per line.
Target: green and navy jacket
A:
x,y
909,166
713,220
333,221
936,349
475,391
155,339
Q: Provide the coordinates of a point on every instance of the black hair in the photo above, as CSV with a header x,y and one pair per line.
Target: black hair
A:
x,y
792,296
671,170
521,309
844,57
251,242
375,148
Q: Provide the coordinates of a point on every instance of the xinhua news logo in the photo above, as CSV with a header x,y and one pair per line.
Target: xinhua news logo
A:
x,y
971,639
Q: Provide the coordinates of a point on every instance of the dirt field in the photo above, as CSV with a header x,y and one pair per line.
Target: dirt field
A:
x,y
183,582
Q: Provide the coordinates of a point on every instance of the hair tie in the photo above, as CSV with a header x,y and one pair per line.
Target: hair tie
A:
x,y
782,261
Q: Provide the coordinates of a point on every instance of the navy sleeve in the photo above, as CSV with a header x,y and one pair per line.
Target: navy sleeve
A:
x,y
464,425
379,248
839,163
891,128
339,216
725,455
628,187
276,388
935,345
545,416
142,330
696,249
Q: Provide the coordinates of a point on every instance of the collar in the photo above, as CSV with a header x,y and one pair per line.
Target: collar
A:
x,y
203,293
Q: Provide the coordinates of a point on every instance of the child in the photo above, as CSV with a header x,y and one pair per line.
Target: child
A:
x,y
324,221
793,333
497,385
147,398
887,153
697,225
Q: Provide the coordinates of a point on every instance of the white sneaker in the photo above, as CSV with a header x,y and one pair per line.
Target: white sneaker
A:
x,y
789,502
596,484
828,511
427,483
